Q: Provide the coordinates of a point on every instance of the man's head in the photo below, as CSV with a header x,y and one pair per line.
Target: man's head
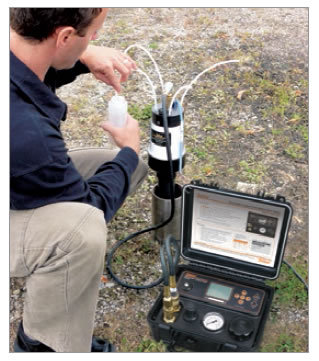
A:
x,y
63,33
37,24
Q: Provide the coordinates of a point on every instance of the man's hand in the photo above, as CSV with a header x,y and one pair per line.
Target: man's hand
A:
x,y
127,136
103,62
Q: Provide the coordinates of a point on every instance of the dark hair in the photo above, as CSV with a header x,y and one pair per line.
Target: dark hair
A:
x,y
40,23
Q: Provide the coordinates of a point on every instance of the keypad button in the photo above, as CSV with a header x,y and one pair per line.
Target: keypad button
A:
x,y
187,286
256,296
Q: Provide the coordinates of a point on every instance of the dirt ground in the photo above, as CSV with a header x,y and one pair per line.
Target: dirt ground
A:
x,y
246,126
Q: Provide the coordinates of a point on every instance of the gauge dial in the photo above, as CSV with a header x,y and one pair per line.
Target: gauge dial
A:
x,y
213,321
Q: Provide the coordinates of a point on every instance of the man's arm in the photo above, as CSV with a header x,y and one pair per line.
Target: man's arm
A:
x,y
56,78
53,178
104,62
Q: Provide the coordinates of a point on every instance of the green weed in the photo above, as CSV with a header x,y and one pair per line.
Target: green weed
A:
x,y
284,343
140,113
147,345
205,20
295,151
209,127
80,103
282,99
304,132
290,292
201,154
252,171
122,27
280,95
119,260
153,45
277,131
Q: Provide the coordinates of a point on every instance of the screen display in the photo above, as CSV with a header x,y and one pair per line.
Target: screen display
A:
x,y
219,291
234,227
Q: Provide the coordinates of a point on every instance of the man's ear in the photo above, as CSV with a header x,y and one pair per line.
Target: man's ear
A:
x,y
64,35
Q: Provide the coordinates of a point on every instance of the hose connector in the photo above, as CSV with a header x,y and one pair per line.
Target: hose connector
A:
x,y
174,294
168,311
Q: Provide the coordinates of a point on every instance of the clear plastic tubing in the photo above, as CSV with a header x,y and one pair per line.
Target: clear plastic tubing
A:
x,y
154,62
203,72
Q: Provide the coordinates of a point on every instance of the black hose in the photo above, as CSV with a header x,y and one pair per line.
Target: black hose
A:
x,y
164,267
169,267
152,228
170,162
296,274
172,262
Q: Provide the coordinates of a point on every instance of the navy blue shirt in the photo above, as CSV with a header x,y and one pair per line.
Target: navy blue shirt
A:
x,y
41,172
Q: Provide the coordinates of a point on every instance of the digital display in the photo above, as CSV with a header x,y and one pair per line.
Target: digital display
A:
x,y
219,291
243,229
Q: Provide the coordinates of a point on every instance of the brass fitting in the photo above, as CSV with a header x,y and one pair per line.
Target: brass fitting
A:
x,y
174,294
169,98
168,312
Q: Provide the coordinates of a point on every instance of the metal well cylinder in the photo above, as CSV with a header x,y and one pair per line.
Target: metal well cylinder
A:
x,y
161,210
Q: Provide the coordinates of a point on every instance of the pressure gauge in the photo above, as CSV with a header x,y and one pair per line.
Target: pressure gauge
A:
x,y
213,321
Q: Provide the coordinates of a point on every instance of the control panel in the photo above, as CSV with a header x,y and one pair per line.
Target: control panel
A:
x,y
226,294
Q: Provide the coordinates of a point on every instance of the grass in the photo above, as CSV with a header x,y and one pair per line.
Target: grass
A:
x,y
278,99
149,345
145,345
138,112
304,132
283,343
153,45
251,171
295,151
290,292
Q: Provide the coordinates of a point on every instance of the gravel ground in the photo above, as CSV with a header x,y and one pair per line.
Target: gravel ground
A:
x,y
272,44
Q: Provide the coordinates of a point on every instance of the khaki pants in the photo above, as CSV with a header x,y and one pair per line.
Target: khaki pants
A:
x,y
60,249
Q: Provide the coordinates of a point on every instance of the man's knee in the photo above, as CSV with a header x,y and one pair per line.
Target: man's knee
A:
x,y
92,234
89,235
66,228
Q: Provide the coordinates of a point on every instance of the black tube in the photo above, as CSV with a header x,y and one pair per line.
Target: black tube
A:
x,y
169,157
163,190
164,267
296,274
172,262
169,268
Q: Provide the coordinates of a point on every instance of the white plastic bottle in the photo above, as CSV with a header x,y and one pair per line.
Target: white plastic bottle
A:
x,y
117,111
